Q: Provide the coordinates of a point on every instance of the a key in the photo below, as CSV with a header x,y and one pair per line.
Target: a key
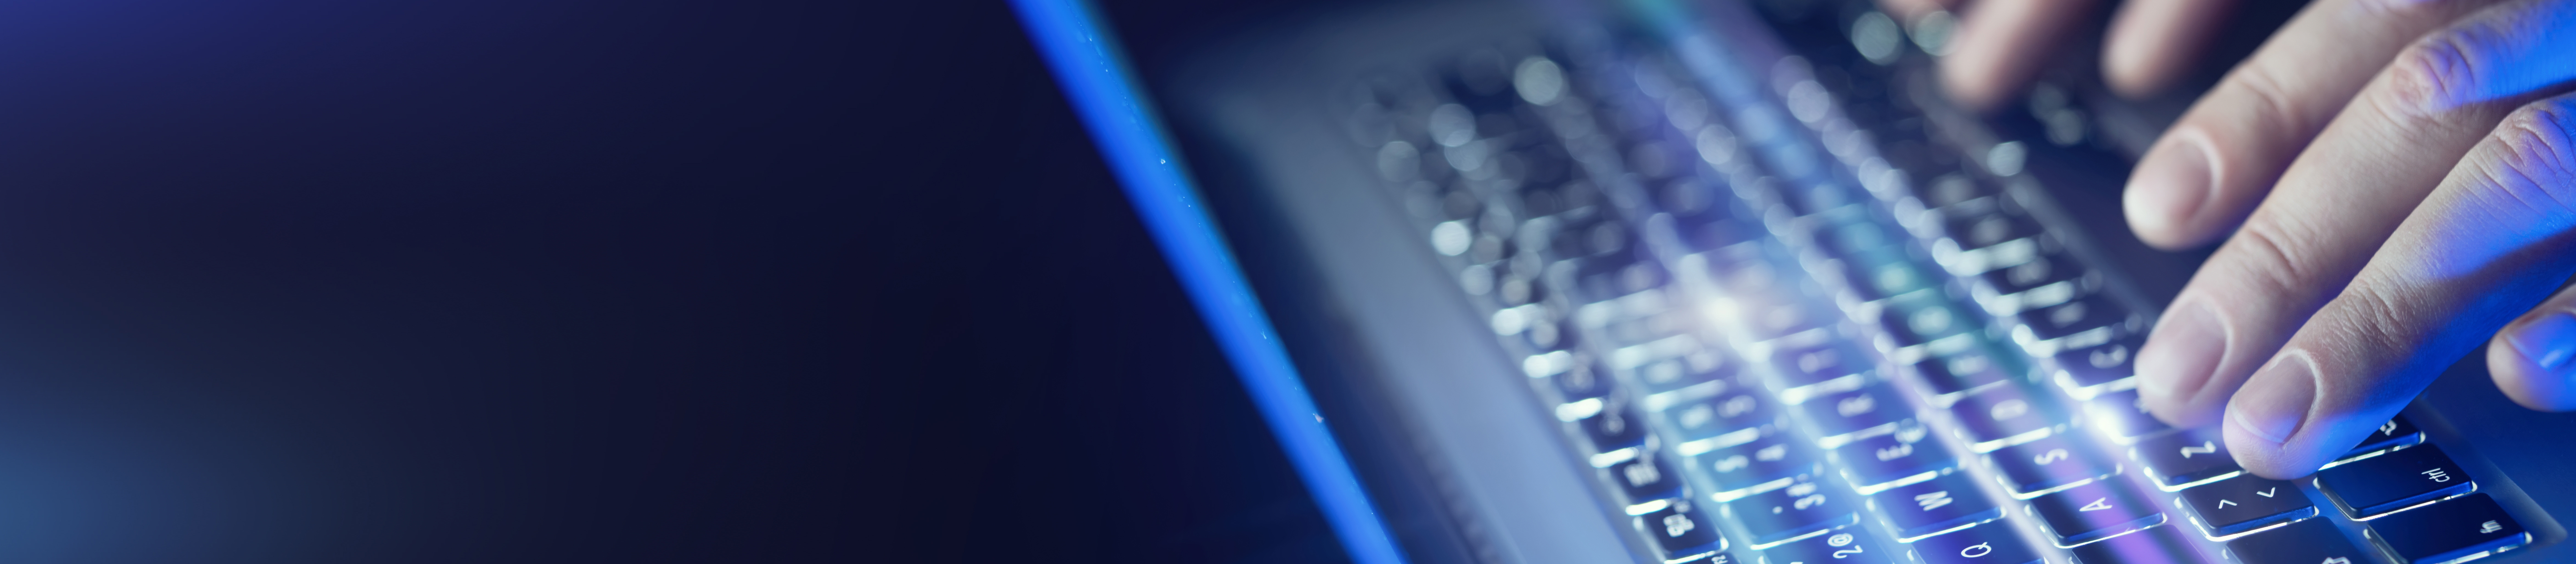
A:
x,y
2041,328
1698,367
1610,422
2397,432
2314,541
1869,283
2046,465
1976,545
1845,240
1843,417
2000,416
1680,529
2089,371
1903,457
2160,545
1726,420
1991,229
1581,381
1805,366
1849,546
1644,478
1791,513
1916,325
2040,282
2374,486
1751,468
1940,504
2094,512
2450,531
1949,376
2123,416
2185,459
2244,503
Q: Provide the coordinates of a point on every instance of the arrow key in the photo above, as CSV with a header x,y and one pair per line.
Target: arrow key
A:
x,y
2095,511
2245,503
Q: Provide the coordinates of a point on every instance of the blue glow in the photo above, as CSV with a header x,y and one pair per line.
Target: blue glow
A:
x,y
1088,67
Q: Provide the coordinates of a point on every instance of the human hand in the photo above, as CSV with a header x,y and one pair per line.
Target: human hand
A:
x,y
2400,180
1999,45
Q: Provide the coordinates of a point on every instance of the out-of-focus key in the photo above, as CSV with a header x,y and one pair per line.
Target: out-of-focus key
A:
x,y
1805,367
1947,377
1844,417
2123,416
2095,511
2089,371
2397,432
2245,503
2047,280
2185,459
2160,545
1801,510
1941,504
1644,478
1752,468
1719,422
1976,545
2080,323
1998,417
2375,486
2047,465
1609,422
2450,531
1678,528
2314,541
1903,457
1849,546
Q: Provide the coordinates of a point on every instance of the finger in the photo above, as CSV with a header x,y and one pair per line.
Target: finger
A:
x,y
2333,207
2493,240
2529,359
2206,173
2001,45
2152,45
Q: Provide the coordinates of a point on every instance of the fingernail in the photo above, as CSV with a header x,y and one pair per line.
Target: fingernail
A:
x,y
2276,401
2171,185
2178,359
2547,341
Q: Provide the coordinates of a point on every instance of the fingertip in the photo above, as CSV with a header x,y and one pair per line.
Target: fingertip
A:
x,y
2530,361
2267,422
2170,189
2178,364
2151,45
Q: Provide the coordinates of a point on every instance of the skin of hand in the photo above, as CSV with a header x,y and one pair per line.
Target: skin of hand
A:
x,y
2395,181
2001,44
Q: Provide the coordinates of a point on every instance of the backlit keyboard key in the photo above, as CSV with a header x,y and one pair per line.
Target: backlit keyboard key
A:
x,y
1977,545
1726,420
2314,541
1910,325
2450,531
1747,469
2095,511
2185,459
1998,417
1645,478
2244,503
1581,381
1941,504
1991,229
1680,529
1806,366
1849,546
1894,459
1791,513
2397,432
1610,422
2375,486
1876,282
2040,282
2089,371
2160,545
1947,377
1841,418
2123,416
2048,330
2046,465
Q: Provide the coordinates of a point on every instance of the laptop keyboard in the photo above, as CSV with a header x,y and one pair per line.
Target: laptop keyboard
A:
x,y
1787,321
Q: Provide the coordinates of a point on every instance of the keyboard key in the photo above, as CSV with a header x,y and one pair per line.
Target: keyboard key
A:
x,y
1680,529
1947,377
2185,459
2397,432
1941,504
2123,416
1806,366
2374,486
1791,513
1903,457
1914,326
1645,478
2314,541
1841,418
1726,420
2041,328
2089,371
2046,465
1977,545
1698,367
2450,531
2160,545
2095,511
1840,547
1991,229
1747,469
1874,282
1581,381
2244,503
1609,422
1997,417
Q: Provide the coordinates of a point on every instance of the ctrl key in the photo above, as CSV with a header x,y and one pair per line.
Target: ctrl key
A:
x,y
2313,541
2458,530
1976,545
1678,528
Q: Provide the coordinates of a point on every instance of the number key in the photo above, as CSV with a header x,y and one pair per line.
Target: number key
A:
x,y
1679,529
1839,547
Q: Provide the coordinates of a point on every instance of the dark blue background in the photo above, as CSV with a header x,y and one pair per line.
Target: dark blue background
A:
x,y
573,280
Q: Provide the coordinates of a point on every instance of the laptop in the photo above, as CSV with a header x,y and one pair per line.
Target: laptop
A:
x,y
1720,281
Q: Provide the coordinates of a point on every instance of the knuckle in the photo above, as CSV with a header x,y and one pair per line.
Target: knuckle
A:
x,y
2272,264
2379,316
2532,158
2430,76
2274,106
